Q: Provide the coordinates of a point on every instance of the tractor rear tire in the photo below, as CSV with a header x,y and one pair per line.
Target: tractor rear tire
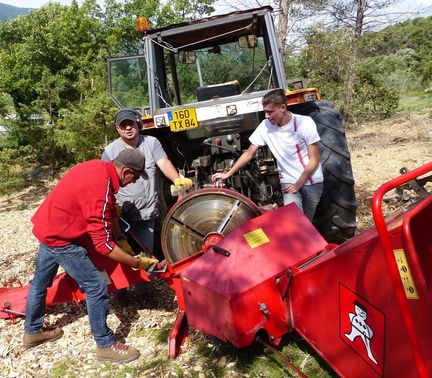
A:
x,y
335,216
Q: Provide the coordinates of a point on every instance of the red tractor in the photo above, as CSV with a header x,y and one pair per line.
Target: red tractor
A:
x,y
242,266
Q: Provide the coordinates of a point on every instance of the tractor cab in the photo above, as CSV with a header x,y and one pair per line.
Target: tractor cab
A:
x,y
206,60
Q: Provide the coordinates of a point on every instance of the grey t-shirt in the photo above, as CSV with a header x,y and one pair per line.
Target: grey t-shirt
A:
x,y
140,200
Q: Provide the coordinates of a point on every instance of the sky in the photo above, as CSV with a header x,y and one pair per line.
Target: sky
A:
x,y
36,3
409,6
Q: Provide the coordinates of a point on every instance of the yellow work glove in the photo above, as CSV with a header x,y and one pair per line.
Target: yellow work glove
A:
x,y
145,261
183,183
125,246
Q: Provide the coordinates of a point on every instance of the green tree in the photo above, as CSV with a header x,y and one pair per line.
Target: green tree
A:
x,y
39,56
328,62
373,97
6,104
356,17
409,40
53,64
327,56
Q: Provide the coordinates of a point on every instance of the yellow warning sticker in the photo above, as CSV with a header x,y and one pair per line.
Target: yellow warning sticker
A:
x,y
256,238
405,274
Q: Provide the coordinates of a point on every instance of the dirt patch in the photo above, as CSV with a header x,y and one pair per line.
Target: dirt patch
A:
x,y
378,151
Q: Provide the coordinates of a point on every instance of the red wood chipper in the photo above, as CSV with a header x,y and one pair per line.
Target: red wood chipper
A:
x,y
240,271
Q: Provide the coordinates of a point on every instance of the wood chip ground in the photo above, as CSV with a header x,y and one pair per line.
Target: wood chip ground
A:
x,y
378,151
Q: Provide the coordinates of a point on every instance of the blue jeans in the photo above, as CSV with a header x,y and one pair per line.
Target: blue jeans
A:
x,y
74,260
306,198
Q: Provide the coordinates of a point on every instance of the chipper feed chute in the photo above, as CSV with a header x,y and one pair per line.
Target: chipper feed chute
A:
x,y
240,286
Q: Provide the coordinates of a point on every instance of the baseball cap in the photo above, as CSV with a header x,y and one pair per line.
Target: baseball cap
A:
x,y
125,114
133,159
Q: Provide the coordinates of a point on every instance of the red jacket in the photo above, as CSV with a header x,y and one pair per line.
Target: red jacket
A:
x,y
81,205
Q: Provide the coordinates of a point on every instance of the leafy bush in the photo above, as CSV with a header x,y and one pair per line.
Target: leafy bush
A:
x,y
328,59
373,98
395,69
86,128
15,167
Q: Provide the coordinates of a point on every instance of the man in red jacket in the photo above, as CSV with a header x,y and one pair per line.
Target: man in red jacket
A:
x,y
82,205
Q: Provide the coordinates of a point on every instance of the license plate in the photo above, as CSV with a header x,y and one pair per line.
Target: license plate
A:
x,y
182,119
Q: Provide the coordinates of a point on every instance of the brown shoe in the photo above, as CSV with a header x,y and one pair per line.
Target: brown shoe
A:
x,y
118,352
46,334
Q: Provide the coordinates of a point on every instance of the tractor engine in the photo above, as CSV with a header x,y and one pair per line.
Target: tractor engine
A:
x,y
258,181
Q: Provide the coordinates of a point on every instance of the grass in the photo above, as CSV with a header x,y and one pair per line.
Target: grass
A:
x,y
15,177
161,334
224,360
65,369
419,102
215,359
72,369
160,364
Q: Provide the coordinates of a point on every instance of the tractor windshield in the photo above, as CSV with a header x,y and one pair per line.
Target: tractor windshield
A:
x,y
201,60
247,66
128,82
244,67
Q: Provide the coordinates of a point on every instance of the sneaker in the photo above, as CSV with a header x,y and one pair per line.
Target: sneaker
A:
x,y
46,334
118,352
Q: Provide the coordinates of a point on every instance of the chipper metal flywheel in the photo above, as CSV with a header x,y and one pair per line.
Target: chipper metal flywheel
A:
x,y
203,218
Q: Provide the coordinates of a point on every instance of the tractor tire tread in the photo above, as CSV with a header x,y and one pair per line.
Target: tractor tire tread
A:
x,y
335,216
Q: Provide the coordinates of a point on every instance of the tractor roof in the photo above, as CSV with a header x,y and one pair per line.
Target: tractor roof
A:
x,y
212,30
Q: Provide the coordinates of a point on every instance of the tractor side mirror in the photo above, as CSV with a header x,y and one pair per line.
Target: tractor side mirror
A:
x,y
248,41
187,57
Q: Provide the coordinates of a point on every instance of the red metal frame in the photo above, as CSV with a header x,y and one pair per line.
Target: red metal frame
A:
x,y
386,243
178,334
64,289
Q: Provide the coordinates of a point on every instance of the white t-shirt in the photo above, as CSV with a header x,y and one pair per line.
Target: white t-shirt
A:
x,y
288,145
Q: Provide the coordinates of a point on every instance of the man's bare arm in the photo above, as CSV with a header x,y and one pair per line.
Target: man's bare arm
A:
x,y
245,158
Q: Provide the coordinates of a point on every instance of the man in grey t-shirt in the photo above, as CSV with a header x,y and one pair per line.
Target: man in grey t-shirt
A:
x,y
140,201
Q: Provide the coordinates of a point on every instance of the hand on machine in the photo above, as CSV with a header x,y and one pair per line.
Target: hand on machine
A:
x,y
218,179
149,264
181,184
146,263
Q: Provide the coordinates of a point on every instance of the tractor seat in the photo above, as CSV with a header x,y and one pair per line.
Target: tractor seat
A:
x,y
210,92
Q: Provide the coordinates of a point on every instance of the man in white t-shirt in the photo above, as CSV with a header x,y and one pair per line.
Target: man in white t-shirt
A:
x,y
293,141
